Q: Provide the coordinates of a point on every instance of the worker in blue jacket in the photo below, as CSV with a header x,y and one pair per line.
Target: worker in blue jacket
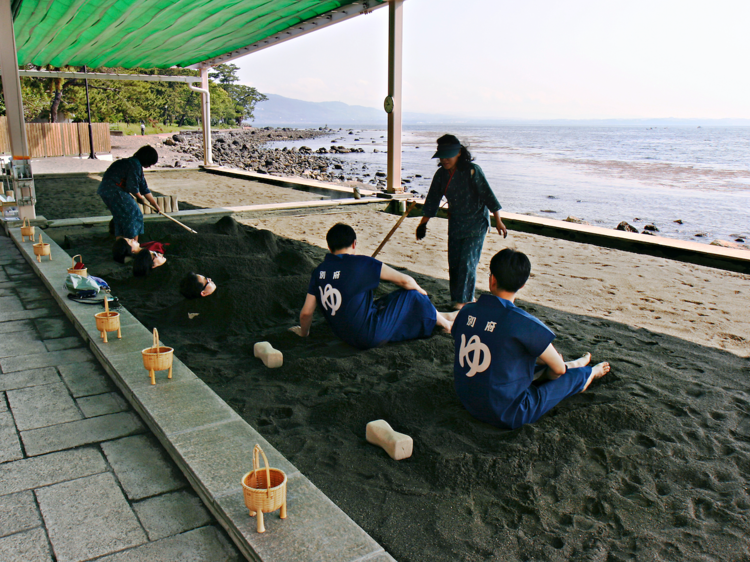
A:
x,y
506,371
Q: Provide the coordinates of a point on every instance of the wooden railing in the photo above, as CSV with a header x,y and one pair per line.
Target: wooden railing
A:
x,y
59,139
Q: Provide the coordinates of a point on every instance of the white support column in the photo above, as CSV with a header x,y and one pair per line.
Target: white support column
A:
x,y
14,109
395,52
206,112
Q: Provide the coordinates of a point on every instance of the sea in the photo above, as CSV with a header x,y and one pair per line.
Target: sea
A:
x,y
691,183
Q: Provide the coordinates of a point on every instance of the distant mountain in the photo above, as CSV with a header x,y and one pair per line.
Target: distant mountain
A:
x,y
281,111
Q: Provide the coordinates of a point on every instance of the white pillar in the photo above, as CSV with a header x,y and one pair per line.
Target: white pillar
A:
x,y
206,113
395,52
19,146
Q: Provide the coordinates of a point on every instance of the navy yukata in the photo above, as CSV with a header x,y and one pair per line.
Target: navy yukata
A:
x,y
343,286
497,345
121,179
470,202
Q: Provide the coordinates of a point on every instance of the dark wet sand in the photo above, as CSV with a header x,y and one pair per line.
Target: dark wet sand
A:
x,y
651,463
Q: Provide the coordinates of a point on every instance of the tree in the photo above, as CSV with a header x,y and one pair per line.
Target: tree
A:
x,y
243,97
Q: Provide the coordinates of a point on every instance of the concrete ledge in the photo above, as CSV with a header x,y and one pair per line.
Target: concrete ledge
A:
x,y
210,442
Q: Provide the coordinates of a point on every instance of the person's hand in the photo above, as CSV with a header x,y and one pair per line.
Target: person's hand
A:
x,y
501,230
421,231
297,330
158,209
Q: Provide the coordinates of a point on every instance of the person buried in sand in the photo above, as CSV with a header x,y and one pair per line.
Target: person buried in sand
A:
x,y
145,261
343,285
125,248
194,286
122,181
506,371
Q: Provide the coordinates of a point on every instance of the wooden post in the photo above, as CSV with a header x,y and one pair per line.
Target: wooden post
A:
x,y
206,119
395,55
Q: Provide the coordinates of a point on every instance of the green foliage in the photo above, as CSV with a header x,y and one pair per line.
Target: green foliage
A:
x,y
165,103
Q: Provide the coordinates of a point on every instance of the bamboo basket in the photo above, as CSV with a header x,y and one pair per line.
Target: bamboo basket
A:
x,y
83,272
27,231
157,358
107,321
264,489
42,249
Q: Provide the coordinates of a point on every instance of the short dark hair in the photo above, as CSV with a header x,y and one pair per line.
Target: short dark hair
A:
x,y
121,250
191,287
511,269
464,159
340,236
143,263
147,156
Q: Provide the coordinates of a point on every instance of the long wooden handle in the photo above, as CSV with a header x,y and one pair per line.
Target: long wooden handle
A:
x,y
186,227
395,228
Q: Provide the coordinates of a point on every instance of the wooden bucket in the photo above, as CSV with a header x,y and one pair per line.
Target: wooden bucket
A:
x,y
83,272
264,489
107,321
27,231
42,249
157,358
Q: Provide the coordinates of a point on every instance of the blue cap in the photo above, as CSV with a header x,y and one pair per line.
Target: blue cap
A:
x,y
447,151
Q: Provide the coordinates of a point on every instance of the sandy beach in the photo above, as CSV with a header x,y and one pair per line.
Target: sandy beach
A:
x,y
651,463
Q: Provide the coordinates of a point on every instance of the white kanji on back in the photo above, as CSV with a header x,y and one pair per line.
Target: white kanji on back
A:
x,y
480,355
471,321
336,274
490,327
322,274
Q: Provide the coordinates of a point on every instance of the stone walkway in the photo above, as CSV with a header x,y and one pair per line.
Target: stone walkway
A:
x,y
81,477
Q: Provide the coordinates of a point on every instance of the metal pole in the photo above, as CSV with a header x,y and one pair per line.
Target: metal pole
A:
x,y
206,117
395,55
19,146
92,156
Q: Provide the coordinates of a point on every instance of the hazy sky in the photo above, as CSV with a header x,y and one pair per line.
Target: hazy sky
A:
x,y
532,59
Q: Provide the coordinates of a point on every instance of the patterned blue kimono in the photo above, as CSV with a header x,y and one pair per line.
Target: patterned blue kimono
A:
x,y
343,286
469,200
121,179
497,345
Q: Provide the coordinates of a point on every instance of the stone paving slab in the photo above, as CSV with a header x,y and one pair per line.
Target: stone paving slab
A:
x,y
49,469
142,467
182,405
18,512
85,378
171,514
94,503
83,432
32,377
11,304
60,344
47,359
42,312
42,406
102,404
52,328
201,545
28,546
20,343
10,446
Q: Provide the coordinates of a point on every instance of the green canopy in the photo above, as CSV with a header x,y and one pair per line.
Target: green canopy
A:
x,y
162,33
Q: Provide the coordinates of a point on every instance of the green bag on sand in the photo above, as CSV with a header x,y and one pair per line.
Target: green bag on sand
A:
x,y
81,285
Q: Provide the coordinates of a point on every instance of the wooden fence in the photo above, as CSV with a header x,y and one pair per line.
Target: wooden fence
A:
x,y
59,139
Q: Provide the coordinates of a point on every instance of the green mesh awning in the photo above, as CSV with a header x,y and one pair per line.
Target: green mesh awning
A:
x,y
158,33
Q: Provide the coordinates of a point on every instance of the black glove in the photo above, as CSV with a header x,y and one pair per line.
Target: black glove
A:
x,y
421,231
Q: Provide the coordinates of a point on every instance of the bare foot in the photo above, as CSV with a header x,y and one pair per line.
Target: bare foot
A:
x,y
597,372
581,362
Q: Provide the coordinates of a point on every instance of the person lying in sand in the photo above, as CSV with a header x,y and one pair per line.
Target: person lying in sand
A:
x,y
194,286
506,371
145,261
343,285
125,248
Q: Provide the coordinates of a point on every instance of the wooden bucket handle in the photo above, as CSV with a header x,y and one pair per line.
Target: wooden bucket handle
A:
x,y
106,306
156,342
256,467
74,260
26,220
40,237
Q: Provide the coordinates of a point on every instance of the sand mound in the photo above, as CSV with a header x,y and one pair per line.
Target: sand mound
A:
x,y
651,463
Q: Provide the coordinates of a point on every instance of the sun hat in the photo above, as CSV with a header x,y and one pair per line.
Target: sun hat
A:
x,y
447,150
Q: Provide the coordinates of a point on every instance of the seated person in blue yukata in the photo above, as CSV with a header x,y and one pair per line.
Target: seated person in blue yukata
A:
x,y
506,371
343,285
